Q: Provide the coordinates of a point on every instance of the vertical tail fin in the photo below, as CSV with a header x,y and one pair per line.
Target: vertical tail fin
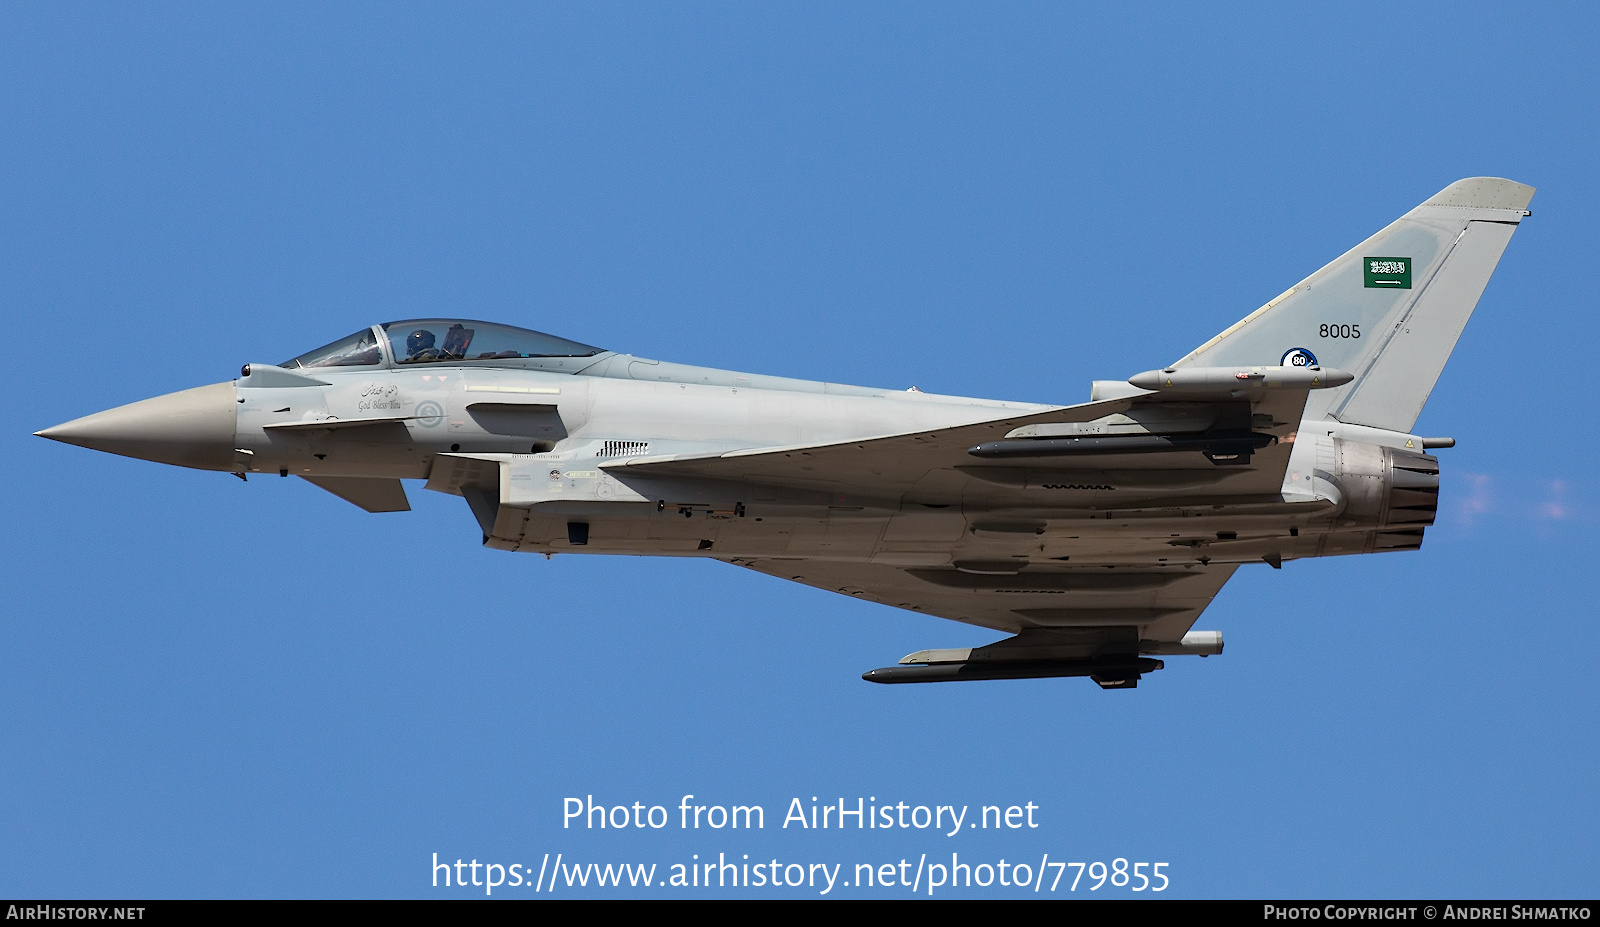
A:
x,y
1389,310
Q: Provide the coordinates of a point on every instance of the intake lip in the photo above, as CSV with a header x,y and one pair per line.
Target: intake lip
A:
x,y
190,428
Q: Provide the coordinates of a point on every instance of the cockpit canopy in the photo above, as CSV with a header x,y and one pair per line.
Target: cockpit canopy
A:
x,y
440,341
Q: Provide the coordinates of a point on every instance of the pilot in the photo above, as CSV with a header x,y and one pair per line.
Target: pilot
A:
x,y
419,346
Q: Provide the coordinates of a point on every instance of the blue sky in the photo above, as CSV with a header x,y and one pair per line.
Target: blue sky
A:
x,y
213,688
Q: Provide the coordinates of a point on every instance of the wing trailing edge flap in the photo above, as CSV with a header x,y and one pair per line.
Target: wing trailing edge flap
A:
x,y
372,494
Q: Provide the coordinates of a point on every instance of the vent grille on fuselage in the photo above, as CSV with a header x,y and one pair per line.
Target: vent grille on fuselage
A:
x,y
624,448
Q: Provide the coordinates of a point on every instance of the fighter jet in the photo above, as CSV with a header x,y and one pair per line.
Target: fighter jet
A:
x,y
1094,535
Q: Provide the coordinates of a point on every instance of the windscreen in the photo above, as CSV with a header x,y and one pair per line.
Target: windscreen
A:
x,y
358,350
433,341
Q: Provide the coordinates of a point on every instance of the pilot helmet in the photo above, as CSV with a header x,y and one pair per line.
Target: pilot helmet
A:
x,y
419,340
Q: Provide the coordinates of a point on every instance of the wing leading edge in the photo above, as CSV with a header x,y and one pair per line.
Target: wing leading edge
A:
x,y
1241,414
885,465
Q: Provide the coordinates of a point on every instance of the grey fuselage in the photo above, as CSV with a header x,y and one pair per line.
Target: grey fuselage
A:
x,y
536,447
1096,533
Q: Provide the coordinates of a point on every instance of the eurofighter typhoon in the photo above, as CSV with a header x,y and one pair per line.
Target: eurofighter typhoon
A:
x,y
1094,535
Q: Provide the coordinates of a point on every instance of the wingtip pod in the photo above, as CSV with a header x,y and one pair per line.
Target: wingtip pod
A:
x,y
1484,193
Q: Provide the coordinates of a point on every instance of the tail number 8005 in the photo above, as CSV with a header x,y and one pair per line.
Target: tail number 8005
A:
x,y
1339,331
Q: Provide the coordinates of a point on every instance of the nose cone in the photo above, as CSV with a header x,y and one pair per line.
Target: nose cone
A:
x,y
192,428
